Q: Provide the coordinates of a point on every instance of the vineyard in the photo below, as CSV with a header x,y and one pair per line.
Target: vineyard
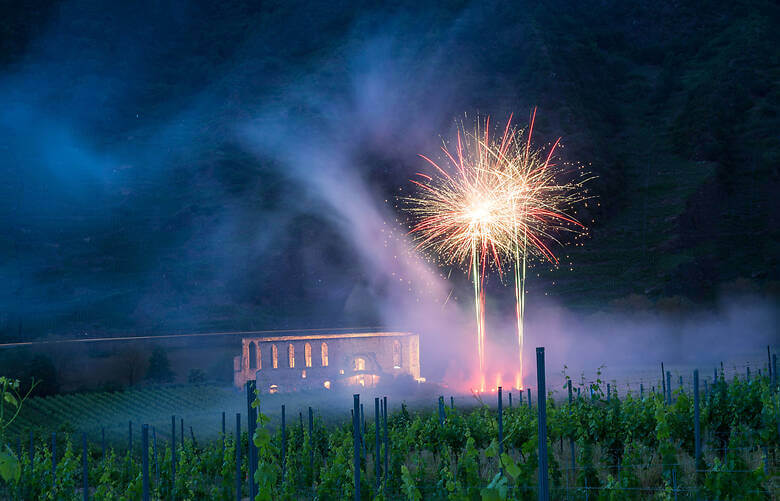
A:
x,y
714,440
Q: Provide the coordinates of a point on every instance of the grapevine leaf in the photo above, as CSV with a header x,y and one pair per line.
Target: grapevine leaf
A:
x,y
9,466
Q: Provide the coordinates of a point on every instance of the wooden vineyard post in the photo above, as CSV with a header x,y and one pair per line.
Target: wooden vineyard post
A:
x,y
500,428
376,434
238,456
452,402
284,443
544,494
769,362
84,467
520,393
774,370
609,392
441,410
356,443
145,460
641,391
529,398
668,388
696,429
510,399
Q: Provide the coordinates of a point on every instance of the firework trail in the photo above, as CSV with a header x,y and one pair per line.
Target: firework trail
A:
x,y
463,217
488,201
540,204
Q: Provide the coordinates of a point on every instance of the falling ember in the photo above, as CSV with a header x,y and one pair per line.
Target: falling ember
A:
x,y
488,201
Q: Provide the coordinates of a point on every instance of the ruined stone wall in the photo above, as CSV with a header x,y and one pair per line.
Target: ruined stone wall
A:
x,y
381,355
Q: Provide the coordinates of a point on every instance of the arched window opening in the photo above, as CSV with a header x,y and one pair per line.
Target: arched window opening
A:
x,y
396,354
307,354
274,356
324,352
291,355
359,364
252,355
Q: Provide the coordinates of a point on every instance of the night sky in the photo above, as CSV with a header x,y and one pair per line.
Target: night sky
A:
x,y
193,166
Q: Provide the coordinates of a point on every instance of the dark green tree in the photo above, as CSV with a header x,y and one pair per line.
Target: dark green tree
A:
x,y
159,367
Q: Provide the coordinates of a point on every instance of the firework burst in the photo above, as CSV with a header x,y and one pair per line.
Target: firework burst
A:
x,y
491,201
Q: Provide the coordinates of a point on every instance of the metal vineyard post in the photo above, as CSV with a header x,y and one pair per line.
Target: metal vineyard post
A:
x,y
84,469
173,452
769,362
356,443
663,379
156,465
529,398
238,455
500,427
53,459
362,430
571,438
387,442
376,433
544,494
251,425
696,429
145,460
284,444
311,444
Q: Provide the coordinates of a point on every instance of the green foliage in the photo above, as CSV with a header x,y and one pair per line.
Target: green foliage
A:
x,y
11,401
625,448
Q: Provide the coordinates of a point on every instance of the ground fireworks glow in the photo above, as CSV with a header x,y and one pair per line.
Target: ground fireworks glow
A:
x,y
490,201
